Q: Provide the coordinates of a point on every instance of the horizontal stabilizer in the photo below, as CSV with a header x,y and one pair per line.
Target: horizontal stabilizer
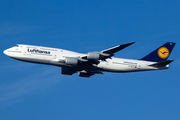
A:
x,y
161,64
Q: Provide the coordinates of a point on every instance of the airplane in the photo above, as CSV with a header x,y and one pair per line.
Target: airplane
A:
x,y
93,62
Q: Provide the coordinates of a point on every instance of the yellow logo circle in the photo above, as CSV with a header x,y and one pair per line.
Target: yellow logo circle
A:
x,y
163,52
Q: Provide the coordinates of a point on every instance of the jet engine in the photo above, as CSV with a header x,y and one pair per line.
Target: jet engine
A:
x,y
71,61
93,56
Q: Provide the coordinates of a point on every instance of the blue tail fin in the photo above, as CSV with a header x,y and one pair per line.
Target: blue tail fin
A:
x,y
160,54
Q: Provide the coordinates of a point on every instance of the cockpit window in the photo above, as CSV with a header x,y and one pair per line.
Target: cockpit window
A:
x,y
17,46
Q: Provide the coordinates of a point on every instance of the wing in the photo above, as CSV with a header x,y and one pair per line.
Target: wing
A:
x,y
117,48
88,62
108,53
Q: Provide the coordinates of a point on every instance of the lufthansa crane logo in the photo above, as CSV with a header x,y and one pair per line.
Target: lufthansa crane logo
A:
x,y
163,52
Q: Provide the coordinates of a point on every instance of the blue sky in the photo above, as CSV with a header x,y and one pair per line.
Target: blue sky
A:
x,y
31,91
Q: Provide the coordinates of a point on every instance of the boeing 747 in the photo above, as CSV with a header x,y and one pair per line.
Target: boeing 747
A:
x,y
93,62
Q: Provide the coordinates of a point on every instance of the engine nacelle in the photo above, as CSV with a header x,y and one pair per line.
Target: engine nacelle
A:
x,y
93,56
71,61
67,71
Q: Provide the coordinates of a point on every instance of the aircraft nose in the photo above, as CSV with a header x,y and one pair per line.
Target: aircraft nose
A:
x,y
5,52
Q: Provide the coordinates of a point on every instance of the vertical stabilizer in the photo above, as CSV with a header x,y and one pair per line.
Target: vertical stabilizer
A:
x,y
160,54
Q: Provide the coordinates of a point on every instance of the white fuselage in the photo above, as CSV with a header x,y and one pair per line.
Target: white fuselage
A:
x,y
54,56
